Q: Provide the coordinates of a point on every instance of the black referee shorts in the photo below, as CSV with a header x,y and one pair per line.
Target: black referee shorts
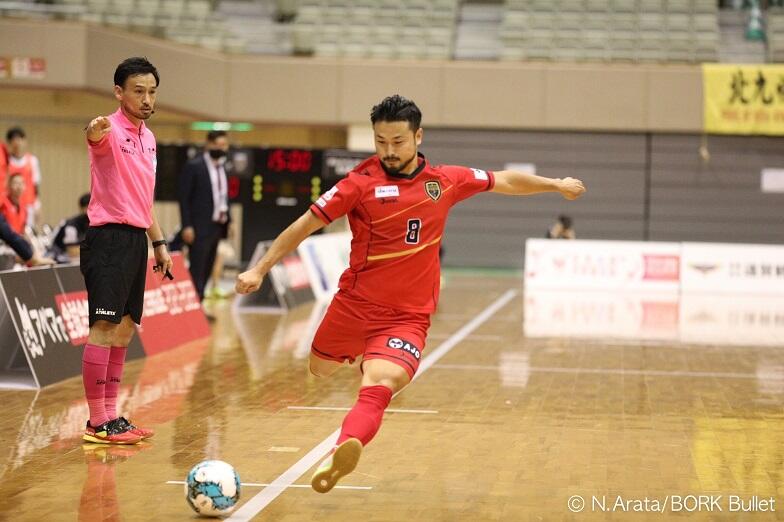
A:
x,y
113,261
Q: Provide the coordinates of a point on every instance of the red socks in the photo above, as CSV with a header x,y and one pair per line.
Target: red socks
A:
x,y
95,360
113,375
364,419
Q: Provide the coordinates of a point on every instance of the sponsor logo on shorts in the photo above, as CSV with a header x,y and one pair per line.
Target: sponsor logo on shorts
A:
x,y
401,344
102,311
480,174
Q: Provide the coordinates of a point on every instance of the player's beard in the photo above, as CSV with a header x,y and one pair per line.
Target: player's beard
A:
x,y
396,172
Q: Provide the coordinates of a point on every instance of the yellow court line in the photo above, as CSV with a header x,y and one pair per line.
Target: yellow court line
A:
x,y
412,206
404,252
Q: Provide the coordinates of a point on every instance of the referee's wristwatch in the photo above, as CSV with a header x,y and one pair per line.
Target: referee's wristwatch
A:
x,y
156,244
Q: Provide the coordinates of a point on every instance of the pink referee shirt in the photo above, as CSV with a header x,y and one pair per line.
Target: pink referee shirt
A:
x,y
122,175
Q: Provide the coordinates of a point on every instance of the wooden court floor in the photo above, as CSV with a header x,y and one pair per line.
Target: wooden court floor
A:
x,y
499,427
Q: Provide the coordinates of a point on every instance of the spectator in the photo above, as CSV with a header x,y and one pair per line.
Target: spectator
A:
x,y
20,161
11,205
562,229
70,233
3,163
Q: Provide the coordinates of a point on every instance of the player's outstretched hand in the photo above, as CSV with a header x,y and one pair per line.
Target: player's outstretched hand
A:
x,y
248,282
98,128
571,188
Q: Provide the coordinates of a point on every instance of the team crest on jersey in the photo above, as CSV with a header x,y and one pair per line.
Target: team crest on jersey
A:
x,y
433,189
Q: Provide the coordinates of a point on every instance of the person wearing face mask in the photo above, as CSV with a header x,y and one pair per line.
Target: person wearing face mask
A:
x,y
204,206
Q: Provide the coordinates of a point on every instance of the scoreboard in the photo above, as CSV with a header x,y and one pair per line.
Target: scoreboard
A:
x,y
283,184
274,185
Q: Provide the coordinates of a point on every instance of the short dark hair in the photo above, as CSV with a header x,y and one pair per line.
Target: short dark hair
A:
x,y
565,220
14,132
133,67
215,134
84,200
397,108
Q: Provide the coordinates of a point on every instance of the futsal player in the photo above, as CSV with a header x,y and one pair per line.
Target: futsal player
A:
x,y
113,255
397,205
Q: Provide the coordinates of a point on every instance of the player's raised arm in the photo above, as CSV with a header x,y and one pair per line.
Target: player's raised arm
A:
x,y
521,183
286,242
98,128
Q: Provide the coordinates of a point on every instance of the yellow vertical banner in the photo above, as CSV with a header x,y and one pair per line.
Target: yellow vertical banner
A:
x,y
743,99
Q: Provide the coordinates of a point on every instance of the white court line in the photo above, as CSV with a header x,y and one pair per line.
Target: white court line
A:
x,y
263,498
618,371
335,408
260,485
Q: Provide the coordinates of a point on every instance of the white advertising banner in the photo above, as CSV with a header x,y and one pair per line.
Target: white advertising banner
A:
x,y
602,265
732,268
326,256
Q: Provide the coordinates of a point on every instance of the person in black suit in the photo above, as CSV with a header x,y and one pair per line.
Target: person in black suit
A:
x,y
204,206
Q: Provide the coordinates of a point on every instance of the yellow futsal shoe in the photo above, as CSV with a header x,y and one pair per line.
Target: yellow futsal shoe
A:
x,y
340,463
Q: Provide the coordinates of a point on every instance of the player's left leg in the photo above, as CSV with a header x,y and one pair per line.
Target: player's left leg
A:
x,y
381,379
135,272
386,372
122,339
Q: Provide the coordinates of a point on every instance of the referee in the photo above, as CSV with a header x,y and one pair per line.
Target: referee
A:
x,y
114,251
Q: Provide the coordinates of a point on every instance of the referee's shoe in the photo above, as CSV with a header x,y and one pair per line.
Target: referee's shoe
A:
x,y
110,433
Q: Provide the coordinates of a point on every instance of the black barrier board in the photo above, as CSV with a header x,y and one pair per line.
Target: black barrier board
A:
x,y
286,286
338,163
15,369
30,297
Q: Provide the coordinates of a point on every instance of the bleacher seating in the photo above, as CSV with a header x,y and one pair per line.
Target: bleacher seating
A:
x,y
375,28
610,30
775,34
547,30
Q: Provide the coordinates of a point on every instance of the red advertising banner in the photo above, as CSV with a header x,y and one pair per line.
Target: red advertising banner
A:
x,y
172,310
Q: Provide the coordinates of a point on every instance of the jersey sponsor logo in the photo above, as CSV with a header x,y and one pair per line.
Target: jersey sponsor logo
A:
x,y
401,344
388,191
480,174
433,189
102,311
322,201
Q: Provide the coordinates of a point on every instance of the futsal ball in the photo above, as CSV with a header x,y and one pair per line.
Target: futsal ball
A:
x,y
212,488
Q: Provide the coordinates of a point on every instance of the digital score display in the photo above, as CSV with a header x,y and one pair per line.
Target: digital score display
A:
x,y
286,177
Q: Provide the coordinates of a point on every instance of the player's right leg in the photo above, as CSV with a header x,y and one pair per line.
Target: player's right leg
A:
x,y
340,337
321,367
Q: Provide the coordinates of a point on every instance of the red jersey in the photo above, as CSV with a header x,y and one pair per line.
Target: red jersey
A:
x,y
16,216
397,223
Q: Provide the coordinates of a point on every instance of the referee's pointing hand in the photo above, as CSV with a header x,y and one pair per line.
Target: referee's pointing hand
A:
x,y
248,282
98,128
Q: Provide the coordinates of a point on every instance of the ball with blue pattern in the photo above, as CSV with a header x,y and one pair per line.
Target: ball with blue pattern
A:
x,y
212,488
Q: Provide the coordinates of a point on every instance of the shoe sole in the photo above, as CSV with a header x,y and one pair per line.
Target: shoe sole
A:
x,y
344,460
90,438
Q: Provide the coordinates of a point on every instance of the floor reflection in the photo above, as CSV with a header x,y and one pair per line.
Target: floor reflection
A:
x,y
747,320
99,499
153,395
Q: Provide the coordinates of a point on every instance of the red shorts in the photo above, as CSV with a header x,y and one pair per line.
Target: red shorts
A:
x,y
354,327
